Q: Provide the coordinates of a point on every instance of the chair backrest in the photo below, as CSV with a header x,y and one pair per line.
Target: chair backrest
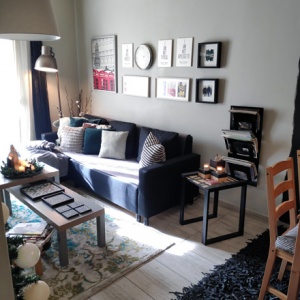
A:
x,y
276,186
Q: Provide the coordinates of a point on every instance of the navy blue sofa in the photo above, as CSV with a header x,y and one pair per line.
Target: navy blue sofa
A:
x,y
159,185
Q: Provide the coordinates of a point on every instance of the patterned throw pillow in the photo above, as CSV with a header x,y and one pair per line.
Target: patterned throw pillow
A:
x,y
72,139
153,151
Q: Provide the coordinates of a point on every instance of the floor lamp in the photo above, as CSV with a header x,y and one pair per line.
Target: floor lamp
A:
x,y
47,63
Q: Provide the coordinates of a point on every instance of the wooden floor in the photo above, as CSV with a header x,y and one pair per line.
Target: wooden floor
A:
x,y
184,263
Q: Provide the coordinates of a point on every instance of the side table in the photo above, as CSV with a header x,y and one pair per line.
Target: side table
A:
x,y
203,185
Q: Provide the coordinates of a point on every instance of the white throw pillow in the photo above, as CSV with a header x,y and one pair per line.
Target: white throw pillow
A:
x,y
113,144
72,139
63,122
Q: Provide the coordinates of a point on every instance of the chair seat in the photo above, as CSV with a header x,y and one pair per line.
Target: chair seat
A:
x,y
286,242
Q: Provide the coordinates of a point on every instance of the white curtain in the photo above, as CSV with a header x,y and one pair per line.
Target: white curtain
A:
x,y
16,120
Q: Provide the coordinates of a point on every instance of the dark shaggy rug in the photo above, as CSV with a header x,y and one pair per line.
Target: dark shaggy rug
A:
x,y
239,277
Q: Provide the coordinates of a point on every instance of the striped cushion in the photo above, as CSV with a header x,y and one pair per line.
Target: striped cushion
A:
x,y
72,139
153,151
286,242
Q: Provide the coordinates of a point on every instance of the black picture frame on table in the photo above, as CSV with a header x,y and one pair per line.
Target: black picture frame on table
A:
x,y
207,90
209,55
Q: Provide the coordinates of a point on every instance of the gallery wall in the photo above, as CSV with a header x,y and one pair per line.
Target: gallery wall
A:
x,y
260,52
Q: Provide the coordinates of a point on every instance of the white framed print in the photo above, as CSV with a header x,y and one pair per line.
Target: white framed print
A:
x,y
136,85
173,88
164,55
127,55
184,52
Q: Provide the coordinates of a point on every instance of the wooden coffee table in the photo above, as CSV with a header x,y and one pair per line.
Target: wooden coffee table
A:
x,y
60,223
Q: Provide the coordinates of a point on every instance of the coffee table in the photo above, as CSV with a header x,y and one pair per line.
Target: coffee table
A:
x,y
60,223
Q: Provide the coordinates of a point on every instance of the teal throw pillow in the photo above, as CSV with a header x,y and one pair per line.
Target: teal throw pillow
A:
x,y
77,121
92,141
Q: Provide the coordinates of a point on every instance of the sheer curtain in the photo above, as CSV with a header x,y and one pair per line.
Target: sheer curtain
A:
x,y
16,120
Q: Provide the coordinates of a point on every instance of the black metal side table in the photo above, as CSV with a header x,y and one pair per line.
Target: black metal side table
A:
x,y
203,185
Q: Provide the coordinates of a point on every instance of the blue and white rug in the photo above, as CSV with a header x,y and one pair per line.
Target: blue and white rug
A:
x,y
91,268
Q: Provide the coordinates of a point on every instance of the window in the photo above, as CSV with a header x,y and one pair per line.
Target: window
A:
x,y
15,117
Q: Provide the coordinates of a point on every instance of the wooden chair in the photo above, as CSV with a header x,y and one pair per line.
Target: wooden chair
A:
x,y
288,243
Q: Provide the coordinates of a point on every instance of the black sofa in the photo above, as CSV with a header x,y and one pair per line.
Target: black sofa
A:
x,y
159,185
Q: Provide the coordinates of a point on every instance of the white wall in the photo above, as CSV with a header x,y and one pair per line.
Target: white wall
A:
x,y
261,44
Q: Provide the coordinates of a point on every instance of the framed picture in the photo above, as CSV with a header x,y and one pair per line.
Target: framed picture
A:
x,y
136,86
127,55
209,55
173,88
104,62
184,52
164,54
207,90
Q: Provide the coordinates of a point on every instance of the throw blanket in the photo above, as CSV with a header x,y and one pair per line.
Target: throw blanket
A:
x,y
46,152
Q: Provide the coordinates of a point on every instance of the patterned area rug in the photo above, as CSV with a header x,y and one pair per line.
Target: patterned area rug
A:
x,y
91,268
240,277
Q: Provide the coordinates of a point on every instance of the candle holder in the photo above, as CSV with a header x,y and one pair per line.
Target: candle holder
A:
x,y
220,177
31,168
204,173
217,163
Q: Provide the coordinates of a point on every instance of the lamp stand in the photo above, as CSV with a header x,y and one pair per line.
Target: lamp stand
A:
x,y
58,93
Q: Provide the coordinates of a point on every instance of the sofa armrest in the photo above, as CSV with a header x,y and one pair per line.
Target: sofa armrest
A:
x,y
49,136
160,184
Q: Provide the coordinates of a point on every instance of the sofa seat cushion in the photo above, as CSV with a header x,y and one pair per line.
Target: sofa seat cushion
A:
x,y
124,170
169,139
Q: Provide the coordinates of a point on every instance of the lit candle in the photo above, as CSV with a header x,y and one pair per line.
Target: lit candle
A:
x,y
23,162
206,167
32,167
219,170
21,169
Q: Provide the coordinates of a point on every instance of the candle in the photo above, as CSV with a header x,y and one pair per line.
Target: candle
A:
x,y
206,167
219,170
32,167
21,169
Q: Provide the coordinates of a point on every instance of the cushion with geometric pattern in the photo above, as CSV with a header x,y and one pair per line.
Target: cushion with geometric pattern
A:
x,y
153,151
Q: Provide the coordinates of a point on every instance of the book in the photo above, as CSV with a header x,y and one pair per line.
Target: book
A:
x,y
28,229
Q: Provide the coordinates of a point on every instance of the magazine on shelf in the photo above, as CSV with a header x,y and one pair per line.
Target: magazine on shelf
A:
x,y
28,229
241,169
241,142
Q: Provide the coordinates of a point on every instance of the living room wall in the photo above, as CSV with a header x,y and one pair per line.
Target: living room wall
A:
x,y
259,67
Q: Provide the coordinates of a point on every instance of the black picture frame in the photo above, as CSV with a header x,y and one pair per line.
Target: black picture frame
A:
x,y
207,90
209,55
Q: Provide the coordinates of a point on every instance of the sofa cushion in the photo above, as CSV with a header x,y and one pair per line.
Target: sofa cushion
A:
x,y
62,122
153,151
77,121
170,140
72,139
95,119
131,144
92,141
113,144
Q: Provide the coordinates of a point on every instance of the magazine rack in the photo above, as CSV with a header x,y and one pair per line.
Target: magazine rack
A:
x,y
243,142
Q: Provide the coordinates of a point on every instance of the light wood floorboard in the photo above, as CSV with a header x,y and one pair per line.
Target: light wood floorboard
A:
x,y
185,262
